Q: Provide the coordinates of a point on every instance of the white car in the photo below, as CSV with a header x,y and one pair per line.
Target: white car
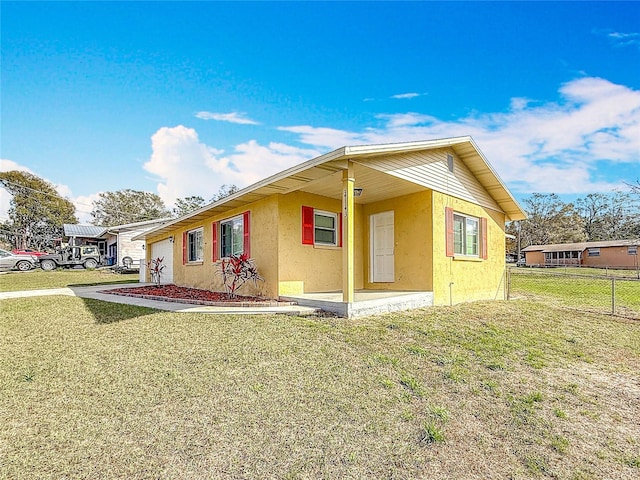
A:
x,y
11,261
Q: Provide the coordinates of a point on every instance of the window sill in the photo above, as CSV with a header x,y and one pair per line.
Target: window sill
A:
x,y
199,262
464,258
326,247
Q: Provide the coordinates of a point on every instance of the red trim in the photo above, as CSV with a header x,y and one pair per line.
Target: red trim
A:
x,y
448,220
215,253
246,241
483,246
307,225
184,248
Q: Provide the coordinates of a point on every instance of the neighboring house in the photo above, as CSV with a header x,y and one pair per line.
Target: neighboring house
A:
x,y
114,243
424,218
611,253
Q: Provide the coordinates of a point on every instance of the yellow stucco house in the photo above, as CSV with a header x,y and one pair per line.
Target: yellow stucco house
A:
x,y
359,230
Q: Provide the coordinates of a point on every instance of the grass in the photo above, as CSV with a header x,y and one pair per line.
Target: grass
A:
x,y
586,292
90,389
39,279
589,271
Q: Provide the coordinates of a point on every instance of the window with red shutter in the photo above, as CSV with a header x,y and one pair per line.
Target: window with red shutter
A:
x,y
215,255
246,244
307,225
321,228
449,231
234,236
184,248
484,247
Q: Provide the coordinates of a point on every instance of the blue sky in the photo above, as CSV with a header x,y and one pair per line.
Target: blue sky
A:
x,y
178,98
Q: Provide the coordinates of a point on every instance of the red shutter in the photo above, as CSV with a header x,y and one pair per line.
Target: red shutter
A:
x,y
215,253
184,248
483,245
307,225
246,241
448,219
340,230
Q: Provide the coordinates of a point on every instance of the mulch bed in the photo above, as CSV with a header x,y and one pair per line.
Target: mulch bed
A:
x,y
196,296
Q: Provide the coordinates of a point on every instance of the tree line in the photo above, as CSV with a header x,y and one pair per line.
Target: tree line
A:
x,y
596,217
37,212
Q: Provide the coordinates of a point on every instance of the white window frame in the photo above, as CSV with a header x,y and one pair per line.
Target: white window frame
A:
x,y
461,247
632,250
593,252
335,228
238,220
196,235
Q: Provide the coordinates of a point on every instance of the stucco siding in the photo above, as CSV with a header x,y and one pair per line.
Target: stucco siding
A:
x,y
459,279
264,248
311,268
412,242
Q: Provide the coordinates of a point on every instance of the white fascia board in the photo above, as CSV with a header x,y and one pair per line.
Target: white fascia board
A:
x,y
406,146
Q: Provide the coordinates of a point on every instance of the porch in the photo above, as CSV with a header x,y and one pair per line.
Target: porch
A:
x,y
366,302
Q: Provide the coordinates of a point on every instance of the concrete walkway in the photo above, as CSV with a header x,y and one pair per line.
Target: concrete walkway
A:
x,y
96,293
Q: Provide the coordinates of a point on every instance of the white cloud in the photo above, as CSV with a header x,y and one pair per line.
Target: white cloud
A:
x,y
325,137
84,206
546,147
232,117
185,166
620,39
403,96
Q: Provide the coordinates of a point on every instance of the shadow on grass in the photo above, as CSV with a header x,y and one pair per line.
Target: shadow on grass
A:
x,y
106,313
95,284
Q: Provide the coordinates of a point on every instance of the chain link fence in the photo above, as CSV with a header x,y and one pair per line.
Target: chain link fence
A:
x,y
607,291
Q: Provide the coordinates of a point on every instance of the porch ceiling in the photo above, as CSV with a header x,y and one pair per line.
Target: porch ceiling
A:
x,y
375,185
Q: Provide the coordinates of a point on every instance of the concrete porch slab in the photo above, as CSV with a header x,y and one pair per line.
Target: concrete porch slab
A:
x,y
367,302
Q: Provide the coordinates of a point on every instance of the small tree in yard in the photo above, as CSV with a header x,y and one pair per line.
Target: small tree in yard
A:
x,y
237,270
156,266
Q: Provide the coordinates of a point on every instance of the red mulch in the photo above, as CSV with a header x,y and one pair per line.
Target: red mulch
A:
x,y
188,295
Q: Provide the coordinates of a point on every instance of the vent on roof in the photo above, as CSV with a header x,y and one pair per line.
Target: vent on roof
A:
x,y
450,162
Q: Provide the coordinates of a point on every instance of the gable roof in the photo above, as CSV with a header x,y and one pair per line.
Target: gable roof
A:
x,y
321,175
581,246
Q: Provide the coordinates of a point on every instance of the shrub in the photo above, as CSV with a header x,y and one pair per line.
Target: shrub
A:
x,y
237,270
156,266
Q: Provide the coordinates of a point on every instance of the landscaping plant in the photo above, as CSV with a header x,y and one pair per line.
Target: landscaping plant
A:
x,y
237,270
156,266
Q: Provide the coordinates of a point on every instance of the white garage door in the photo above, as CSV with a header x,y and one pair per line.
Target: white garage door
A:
x,y
164,249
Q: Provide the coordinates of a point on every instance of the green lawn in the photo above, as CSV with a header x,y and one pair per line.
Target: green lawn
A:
x,y
588,271
38,279
516,389
585,292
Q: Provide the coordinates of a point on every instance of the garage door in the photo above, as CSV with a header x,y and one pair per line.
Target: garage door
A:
x,y
164,249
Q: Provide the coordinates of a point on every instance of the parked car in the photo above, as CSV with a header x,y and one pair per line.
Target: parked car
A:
x,y
28,251
11,261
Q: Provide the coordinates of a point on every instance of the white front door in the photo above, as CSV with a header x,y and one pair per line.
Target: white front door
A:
x,y
164,249
382,246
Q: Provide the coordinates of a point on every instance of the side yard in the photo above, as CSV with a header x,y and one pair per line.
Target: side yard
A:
x,y
584,289
514,389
